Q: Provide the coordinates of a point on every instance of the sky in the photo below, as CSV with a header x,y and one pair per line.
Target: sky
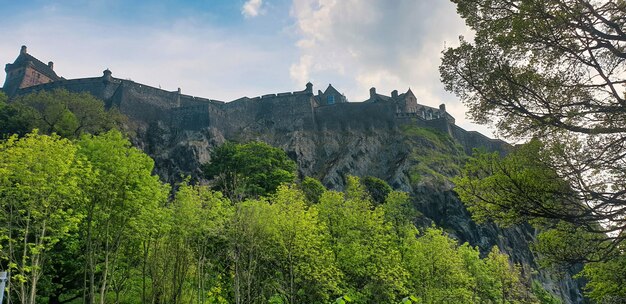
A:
x,y
226,49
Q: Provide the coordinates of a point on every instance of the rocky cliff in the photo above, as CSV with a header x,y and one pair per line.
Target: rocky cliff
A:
x,y
410,158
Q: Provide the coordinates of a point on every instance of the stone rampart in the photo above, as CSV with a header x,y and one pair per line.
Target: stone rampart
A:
x,y
281,112
352,115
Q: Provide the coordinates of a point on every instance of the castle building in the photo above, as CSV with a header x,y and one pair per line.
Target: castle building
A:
x,y
299,110
330,97
27,71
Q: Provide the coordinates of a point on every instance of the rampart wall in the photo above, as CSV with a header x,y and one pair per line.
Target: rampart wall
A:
x,y
351,115
281,112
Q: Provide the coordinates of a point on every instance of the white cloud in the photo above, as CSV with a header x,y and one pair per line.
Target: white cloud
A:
x,y
252,8
389,45
200,59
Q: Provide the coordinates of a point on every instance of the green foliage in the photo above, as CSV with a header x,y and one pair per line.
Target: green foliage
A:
x,y
607,280
12,120
553,71
59,111
312,189
377,188
41,179
123,208
436,155
512,189
363,244
343,299
543,296
249,170
114,234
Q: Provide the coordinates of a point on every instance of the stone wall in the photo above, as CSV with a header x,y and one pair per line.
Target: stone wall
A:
x,y
359,116
270,113
473,139
273,113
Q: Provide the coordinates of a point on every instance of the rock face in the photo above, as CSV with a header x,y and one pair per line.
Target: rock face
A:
x,y
410,158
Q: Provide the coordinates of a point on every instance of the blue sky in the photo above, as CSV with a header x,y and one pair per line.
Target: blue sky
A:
x,y
225,49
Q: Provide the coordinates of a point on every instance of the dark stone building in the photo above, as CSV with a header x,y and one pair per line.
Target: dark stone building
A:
x,y
27,71
300,110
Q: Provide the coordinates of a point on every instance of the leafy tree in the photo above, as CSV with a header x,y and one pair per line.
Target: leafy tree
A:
x,y
12,120
552,70
437,273
543,296
251,234
249,170
312,189
507,287
40,189
59,111
364,246
123,208
607,280
306,260
516,188
377,188
186,256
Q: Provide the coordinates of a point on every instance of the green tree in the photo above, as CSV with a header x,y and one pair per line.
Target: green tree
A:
x,y
123,208
40,190
437,273
306,261
59,111
363,243
187,257
554,71
249,170
12,119
312,189
607,280
377,188
252,233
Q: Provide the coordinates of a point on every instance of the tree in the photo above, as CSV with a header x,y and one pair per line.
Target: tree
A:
x,y
12,120
249,170
312,189
305,259
554,71
364,245
59,111
40,189
123,208
187,256
377,188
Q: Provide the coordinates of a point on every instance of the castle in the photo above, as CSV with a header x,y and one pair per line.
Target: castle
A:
x,y
300,110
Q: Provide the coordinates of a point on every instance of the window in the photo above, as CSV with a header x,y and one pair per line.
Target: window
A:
x,y
330,99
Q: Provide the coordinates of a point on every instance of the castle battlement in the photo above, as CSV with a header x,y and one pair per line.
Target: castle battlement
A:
x,y
297,110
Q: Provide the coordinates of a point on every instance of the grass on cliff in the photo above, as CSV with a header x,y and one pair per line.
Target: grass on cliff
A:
x,y
437,156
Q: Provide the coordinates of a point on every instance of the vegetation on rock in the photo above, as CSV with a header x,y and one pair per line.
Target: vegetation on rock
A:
x,y
552,71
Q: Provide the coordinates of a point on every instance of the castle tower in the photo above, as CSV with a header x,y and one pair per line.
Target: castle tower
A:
x,y
27,71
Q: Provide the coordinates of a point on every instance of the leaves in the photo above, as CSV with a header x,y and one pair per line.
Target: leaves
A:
x,y
249,170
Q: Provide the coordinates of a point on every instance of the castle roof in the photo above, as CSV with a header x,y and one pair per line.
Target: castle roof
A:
x,y
24,59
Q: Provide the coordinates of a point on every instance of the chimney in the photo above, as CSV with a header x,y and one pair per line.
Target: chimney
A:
x,y
394,93
106,75
51,65
372,93
23,50
442,108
